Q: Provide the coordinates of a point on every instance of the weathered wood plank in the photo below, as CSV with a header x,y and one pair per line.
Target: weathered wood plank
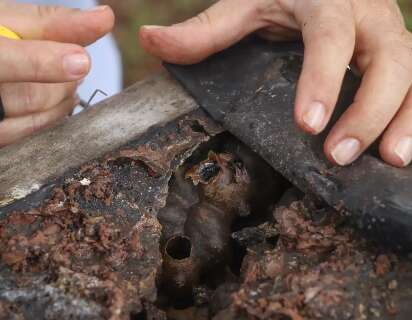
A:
x,y
26,166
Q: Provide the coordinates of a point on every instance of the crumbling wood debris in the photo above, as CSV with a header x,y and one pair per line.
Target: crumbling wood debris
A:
x,y
206,197
320,271
91,250
92,247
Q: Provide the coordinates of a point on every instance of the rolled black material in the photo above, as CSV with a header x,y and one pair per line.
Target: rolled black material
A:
x,y
250,90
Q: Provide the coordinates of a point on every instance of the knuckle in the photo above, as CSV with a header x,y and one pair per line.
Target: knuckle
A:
x,y
31,101
399,57
387,17
36,67
404,58
337,37
328,28
34,124
37,122
44,12
11,97
331,42
96,29
390,14
204,18
261,8
403,66
396,48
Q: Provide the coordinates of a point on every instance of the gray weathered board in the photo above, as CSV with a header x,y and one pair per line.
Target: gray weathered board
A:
x,y
27,166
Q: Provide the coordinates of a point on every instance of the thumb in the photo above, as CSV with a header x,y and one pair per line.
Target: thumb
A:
x,y
37,22
215,29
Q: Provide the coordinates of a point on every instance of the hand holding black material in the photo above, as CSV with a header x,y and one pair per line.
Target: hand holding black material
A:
x,y
250,90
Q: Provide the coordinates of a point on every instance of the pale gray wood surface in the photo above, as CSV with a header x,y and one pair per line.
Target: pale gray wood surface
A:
x,y
27,166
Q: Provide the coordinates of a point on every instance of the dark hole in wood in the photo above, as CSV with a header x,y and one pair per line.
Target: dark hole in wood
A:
x,y
179,247
197,127
239,253
138,316
272,240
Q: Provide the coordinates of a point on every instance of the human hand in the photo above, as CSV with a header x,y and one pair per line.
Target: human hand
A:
x,y
40,74
369,33
30,107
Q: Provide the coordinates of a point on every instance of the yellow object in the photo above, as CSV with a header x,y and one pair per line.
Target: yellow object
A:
x,y
7,33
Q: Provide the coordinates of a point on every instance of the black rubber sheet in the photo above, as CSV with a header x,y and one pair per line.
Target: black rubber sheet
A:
x,y
250,90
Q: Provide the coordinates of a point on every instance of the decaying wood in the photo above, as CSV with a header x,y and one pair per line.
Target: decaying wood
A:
x,y
25,167
89,248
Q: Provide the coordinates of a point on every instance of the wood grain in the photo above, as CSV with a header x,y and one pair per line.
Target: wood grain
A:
x,y
27,166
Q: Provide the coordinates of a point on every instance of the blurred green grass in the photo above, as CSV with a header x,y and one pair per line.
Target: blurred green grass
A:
x,y
406,6
131,14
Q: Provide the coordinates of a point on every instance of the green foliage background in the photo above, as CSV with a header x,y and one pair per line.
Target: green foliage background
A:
x,y
131,14
406,6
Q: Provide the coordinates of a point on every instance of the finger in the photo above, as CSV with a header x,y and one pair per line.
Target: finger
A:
x,y
36,22
15,129
328,32
21,99
384,87
42,61
217,28
396,144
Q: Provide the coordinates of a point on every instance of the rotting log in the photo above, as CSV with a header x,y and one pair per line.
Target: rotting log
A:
x,y
86,246
89,248
27,166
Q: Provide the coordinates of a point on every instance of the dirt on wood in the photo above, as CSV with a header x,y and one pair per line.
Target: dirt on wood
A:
x,y
188,223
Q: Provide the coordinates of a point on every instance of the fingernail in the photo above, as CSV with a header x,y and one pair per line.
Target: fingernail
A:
x,y
98,8
404,150
315,116
346,151
76,64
